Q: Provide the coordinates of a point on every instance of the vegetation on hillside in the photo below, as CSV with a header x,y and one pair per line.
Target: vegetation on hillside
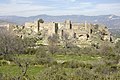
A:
x,y
21,59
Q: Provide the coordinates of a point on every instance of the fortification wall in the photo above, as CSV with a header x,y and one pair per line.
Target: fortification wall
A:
x,y
74,30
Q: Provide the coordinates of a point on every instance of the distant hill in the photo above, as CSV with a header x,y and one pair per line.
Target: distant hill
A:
x,y
5,22
112,21
115,32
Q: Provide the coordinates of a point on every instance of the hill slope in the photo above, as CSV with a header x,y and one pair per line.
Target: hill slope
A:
x,y
112,21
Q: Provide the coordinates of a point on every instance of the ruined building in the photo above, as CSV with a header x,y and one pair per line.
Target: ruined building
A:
x,y
77,33
80,32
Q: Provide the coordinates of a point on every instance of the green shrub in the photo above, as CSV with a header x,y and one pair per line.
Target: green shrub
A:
x,y
4,62
105,49
89,51
42,57
117,47
9,57
76,64
84,74
1,57
30,51
71,64
53,73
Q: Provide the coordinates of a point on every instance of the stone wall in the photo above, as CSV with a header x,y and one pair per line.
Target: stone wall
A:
x,y
78,31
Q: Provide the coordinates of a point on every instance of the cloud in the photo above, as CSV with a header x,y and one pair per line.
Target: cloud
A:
x,y
57,7
93,9
22,7
21,1
81,6
64,0
72,0
100,9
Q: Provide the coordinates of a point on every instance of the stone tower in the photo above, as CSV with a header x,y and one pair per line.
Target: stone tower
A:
x,y
38,24
68,24
86,28
56,28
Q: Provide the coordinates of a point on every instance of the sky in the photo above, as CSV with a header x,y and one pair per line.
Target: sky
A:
x,y
59,7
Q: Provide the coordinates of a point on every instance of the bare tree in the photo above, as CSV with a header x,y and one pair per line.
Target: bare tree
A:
x,y
53,42
23,64
10,43
67,40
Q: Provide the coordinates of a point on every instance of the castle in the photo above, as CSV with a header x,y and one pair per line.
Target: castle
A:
x,y
79,32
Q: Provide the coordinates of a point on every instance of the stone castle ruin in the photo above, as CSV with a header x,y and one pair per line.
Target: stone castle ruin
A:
x,y
78,33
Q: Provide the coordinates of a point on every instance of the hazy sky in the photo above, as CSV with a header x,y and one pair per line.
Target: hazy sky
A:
x,y
59,7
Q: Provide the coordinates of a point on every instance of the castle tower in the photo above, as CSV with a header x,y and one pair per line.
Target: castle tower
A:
x,y
86,28
68,24
56,28
39,22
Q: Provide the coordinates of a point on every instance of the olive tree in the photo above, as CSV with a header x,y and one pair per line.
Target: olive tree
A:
x,y
53,42
117,47
67,40
10,43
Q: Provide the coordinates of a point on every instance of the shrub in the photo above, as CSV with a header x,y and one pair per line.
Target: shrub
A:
x,y
42,57
71,64
53,73
105,49
30,51
4,62
9,57
84,74
76,64
117,47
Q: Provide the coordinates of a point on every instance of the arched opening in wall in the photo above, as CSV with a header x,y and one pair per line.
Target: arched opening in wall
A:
x,y
62,33
91,31
111,39
56,28
74,35
23,27
87,36
70,26
81,35
17,26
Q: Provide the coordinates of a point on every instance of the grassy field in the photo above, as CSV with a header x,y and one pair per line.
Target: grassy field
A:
x,y
69,65
16,71
35,69
75,57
